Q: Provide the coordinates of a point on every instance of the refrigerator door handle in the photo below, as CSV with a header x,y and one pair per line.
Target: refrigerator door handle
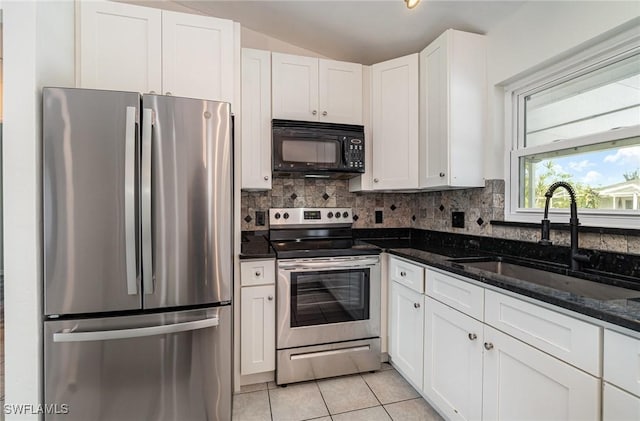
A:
x,y
130,200
147,240
105,335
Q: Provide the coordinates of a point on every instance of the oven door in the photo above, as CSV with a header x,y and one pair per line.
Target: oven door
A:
x,y
328,300
300,150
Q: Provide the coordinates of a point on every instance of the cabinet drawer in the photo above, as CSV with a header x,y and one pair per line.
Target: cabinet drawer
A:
x,y
622,361
257,272
618,405
461,295
407,274
564,337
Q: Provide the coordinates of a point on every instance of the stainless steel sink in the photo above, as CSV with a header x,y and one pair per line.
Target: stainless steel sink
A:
x,y
581,287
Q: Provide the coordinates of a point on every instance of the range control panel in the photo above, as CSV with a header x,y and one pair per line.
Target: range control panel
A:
x,y
309,216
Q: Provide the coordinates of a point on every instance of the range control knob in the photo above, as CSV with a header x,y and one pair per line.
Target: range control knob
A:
x,y
286,215
277,215
330,215
345,214
338,215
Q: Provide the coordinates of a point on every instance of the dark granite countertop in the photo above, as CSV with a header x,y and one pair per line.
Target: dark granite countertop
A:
x,y
255,245
622,312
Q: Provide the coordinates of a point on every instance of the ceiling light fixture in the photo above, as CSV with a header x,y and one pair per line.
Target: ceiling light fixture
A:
x,y
411,3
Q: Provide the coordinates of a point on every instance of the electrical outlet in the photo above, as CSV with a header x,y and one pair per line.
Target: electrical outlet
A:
x,y
457,219
260,217
378,217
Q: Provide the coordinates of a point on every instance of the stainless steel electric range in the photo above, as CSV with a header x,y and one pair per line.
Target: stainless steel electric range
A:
x,y
328,292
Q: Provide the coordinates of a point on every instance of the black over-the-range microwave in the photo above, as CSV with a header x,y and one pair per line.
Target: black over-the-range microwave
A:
x,y
323,150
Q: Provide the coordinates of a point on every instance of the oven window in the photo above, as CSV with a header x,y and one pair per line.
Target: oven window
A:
x,y
318,152
325,297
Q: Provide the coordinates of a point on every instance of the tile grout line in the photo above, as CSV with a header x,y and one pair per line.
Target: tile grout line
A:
x,y
269,399
376,396
323,400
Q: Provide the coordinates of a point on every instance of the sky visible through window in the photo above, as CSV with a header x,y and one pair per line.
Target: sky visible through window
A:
x,y
600,168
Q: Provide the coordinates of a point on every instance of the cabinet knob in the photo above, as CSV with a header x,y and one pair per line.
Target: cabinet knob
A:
x,y
152,92
266,177
473,336
488,346
416,305
270,298
441,174
375,180
314,112
403,273
324,113
168,93
258,273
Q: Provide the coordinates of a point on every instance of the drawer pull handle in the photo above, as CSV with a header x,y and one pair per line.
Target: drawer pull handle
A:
x,y
270,298
416,305
403,273
488,346
473,336
258,273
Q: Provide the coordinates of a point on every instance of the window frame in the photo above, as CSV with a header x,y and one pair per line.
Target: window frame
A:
x,y
608,48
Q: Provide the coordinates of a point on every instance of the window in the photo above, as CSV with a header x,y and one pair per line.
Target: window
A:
x,y
578,121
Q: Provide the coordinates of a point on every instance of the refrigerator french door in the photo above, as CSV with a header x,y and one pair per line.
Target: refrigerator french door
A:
x,y
137,255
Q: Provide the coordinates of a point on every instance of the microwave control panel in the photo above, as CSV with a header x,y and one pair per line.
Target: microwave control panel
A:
x,y
354,152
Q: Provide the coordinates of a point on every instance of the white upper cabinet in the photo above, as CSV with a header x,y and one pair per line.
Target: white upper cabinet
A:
x,y
133,48
340,92
256,119
197,56
453,101
295,87
120,47
395,123
311,89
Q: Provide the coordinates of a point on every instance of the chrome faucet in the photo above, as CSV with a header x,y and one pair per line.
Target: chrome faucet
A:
x,y
576,259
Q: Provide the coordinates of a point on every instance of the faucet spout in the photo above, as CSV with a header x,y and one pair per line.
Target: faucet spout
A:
x,y
576,258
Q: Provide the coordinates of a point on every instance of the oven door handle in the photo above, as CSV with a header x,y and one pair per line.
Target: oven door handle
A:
x,y
329,264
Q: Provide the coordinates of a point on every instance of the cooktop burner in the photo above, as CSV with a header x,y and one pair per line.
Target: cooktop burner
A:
x,y
314,232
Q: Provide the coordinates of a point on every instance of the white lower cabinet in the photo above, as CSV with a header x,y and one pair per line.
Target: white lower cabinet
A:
x,y
621,385
257,329
521,382
619,405
452,361
406,323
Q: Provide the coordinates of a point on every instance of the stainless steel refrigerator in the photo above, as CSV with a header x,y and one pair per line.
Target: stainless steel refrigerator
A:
x,y
137,256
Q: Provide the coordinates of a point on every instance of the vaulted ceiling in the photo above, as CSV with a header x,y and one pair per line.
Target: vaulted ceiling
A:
x,y
363,31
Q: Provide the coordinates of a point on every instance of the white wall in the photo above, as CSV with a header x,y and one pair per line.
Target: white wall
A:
x,y
535,33
39,47
260,41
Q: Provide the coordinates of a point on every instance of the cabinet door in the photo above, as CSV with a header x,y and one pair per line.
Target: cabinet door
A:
x,y
521,382
434,130
197,56
256,119
453,361
295,87
120,47
257,329
340,92
619,405
406,322
395,123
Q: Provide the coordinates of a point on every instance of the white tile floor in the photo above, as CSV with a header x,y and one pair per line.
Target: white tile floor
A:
x,y
380,396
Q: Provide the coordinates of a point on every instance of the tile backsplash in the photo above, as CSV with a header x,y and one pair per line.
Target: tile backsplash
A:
x,y
423,210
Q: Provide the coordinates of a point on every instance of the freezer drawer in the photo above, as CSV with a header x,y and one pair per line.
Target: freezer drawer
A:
x,y
168,366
